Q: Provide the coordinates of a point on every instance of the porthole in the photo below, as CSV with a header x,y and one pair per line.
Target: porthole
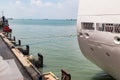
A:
x,y
81,34
117,40
86,35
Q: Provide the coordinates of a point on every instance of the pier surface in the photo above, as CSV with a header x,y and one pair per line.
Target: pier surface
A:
x,y
6,53
8,50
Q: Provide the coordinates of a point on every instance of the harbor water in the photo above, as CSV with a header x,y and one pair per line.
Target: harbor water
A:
x,y
56,40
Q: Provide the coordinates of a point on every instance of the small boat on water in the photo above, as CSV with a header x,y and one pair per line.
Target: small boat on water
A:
x,y
98,32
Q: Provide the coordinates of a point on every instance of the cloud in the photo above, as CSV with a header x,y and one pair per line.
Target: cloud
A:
x,y
40,3
48,4
18,4
36,2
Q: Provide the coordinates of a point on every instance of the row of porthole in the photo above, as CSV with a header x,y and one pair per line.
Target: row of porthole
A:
x,y
116,38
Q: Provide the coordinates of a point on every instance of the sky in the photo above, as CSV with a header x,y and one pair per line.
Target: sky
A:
x,y
40,9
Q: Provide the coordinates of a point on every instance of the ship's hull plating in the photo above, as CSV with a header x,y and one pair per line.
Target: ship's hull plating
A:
x,y
98,31
100,47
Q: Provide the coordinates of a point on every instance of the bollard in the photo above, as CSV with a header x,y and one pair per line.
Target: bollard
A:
x,y
14,39
19,42
39,62
24,51
7,34
27,50
65,75
10,36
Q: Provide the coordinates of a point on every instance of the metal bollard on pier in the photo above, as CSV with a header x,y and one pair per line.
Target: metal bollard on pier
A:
x,y
65,75
39,62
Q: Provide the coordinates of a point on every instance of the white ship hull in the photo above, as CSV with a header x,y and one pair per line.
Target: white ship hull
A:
x,y
99,37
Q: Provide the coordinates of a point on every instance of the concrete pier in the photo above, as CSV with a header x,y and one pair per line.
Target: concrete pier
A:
x,y
6,53
8,50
